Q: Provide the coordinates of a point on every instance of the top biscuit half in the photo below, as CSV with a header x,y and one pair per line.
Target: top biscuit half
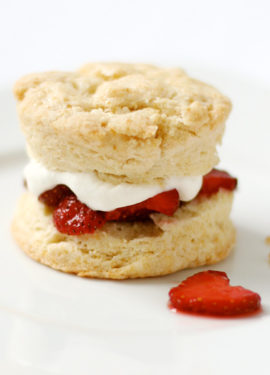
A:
x,y
132,122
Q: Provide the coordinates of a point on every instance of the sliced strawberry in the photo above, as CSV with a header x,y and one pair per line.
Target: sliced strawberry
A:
x,y
73,217
54,196
215,180
210,293
166,203
128,213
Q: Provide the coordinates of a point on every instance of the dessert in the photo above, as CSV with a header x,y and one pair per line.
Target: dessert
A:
x,y
120,182
210,293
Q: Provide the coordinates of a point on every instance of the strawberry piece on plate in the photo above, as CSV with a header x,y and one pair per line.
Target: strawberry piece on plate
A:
x,y
210,293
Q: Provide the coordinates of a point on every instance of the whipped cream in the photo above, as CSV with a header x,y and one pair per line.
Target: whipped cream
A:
x,y
104,196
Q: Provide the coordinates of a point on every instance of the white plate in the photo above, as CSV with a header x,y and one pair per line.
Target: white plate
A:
x,y
54,323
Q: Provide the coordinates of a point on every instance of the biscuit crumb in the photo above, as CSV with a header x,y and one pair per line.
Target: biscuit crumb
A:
x,y
267,241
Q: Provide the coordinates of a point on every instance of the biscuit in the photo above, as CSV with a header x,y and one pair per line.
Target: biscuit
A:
x,y
135,122
199,233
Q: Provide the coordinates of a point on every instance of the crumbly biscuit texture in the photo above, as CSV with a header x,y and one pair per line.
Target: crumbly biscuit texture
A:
x,y
136,121
199,233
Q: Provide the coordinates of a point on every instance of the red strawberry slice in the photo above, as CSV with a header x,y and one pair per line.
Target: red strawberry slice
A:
x,y
73,217
128,213
215,180
166,203
54,196
210,293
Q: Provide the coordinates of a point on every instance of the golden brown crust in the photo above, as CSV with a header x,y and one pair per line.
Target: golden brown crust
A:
x,y
199,233
131,120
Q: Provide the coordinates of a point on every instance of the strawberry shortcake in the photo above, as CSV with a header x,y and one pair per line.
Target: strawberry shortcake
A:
x,y
121,180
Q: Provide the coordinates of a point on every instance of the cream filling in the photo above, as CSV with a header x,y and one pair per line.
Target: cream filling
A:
x,y
104,196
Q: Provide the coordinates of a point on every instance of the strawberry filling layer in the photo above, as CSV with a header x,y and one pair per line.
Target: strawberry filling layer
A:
x,y
72,217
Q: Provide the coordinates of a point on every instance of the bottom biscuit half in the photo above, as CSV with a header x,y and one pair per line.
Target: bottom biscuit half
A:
x,y
199,233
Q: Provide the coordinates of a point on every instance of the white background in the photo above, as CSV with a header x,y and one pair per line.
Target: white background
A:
x,y
43,35
48,321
